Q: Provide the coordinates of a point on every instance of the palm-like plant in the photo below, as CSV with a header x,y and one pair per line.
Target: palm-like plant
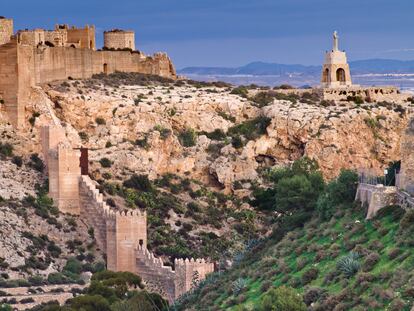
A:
x,y
349,264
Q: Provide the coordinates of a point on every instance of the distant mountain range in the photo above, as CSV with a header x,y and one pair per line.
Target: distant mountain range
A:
x,y
370,66
365,72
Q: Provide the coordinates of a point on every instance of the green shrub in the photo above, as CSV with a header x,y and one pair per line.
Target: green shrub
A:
x,y
100,121
105,162
36,162
188,137
238,286
84,136
309,275
349,264
242,91
6,149
139,182
251,129
18,161
282,298
237,142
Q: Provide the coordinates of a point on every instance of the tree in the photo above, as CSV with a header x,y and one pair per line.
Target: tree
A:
x,y
298,193
282,299
89,303
338,192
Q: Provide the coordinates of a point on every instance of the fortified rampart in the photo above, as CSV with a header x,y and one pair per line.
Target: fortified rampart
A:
x,y
122,235
34,57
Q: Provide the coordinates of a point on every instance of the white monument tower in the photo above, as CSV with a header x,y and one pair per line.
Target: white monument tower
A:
x,y
335,70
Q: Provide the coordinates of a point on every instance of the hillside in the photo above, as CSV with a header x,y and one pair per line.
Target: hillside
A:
x,y
194,155
341,263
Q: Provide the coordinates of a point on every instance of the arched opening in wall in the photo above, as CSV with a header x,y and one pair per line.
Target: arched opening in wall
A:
x,y
73,46
326,77
340,75
105,68
50,44
141,242
90,44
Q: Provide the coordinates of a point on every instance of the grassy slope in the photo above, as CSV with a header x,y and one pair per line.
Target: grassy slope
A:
x,y
320,245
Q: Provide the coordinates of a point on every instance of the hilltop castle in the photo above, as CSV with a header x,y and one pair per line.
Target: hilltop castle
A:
x,y
33,57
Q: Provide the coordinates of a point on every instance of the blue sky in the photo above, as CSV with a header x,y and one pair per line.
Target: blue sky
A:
x,y
236,32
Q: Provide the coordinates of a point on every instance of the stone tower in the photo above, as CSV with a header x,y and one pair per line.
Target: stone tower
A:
x,y
119,39
6,30
335,70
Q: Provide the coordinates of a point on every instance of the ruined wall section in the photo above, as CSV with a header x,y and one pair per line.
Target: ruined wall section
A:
x,y
6,30
94,210
118,233
376,197
156,276
59,63
370,94
189,272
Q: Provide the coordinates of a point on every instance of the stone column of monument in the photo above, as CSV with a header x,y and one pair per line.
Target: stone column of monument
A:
x,y
335,70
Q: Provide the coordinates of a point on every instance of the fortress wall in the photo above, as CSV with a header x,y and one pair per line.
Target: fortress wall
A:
x,y
9,80
156,276
376,197
373,94
94,211
188,272
86,37
6,30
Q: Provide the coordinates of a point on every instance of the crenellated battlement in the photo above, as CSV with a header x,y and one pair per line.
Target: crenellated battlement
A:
x,y
122,235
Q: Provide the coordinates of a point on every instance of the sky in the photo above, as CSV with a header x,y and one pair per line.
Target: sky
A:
x,y
231,33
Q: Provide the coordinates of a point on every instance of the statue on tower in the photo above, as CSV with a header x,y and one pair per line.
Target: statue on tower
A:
x,y
335,41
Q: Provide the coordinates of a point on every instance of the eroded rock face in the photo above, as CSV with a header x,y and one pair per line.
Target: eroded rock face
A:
x,y
138,129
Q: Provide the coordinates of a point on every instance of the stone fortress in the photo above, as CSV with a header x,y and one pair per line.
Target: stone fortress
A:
x,y
33,57
122,235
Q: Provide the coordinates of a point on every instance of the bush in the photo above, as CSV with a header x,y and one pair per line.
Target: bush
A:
x,y
100,121
6,149
238,286
188,137
105,162
338,192
237,142
349,264
17,160
251,129
310,275
241,91
370,261
139,182
36,162
282,298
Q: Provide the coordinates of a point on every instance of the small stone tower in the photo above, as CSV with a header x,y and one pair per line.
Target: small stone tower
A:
x,y
119,39
335,70
6,30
